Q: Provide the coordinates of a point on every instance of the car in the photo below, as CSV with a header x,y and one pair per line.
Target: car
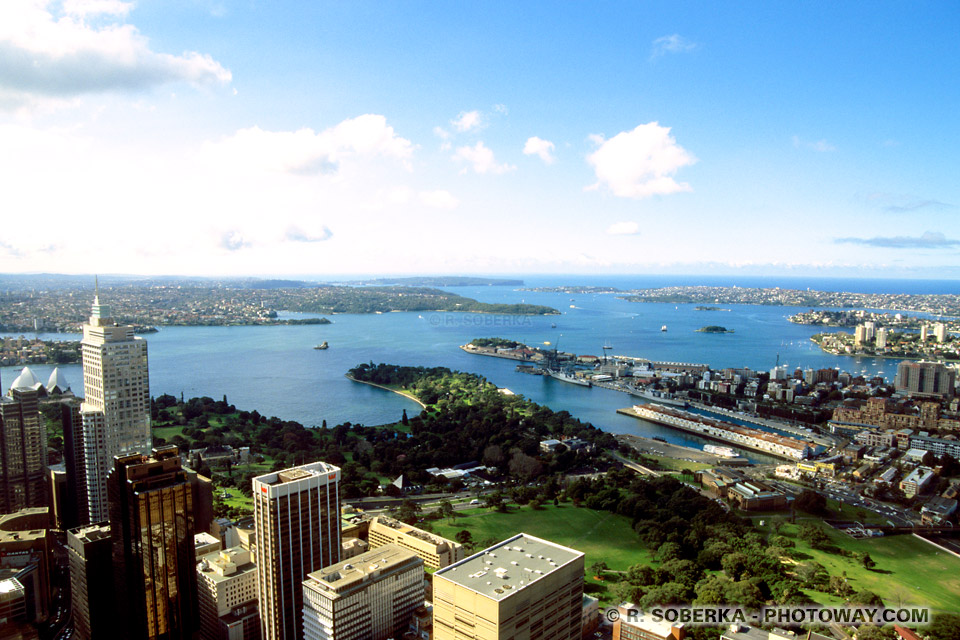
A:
x,y
474,501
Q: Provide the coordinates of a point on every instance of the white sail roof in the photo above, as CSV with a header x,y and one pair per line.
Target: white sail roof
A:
x,y
26,380
57,382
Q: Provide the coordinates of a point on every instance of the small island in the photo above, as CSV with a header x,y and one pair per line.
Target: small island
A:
x,y
714,329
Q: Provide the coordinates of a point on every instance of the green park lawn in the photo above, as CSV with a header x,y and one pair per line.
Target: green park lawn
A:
x,y
908,570
600,535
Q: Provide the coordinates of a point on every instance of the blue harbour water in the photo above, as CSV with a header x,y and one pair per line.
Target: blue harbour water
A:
x,y
276,371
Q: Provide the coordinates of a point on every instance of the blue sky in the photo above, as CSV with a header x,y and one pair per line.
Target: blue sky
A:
x,y
213,137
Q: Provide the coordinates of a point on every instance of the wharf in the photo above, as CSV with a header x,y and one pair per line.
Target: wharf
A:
x,y
764,422
629,411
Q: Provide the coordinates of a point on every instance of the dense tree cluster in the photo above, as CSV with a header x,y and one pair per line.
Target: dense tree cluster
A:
x,y
467,420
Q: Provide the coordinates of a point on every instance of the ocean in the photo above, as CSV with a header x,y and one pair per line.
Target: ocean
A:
x,y
276,371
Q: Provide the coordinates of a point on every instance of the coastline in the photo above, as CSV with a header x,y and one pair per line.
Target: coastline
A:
x,y
406,395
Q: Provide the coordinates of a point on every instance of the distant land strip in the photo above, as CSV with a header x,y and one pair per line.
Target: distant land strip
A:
x,y
936,304
26,309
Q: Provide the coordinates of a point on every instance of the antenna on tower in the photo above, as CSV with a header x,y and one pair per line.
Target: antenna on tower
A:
x,y
96,289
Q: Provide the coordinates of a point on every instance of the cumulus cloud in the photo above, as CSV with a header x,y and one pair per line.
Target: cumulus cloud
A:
x,y
639,163
538,147
928,240
233,240
821,146
671,44
296,234
439,199
306,152
481,160
467,121
50,52
623,229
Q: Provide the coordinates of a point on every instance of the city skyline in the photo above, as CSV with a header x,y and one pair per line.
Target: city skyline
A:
x,y
365,138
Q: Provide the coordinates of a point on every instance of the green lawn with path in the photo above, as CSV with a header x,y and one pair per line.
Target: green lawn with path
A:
x,y
909,571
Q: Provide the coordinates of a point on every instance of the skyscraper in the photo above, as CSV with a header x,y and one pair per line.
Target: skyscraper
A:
x,y
90,552
23,446
151,526
297,516
116,408
76,504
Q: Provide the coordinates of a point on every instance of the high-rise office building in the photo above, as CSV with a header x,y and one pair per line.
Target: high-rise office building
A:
x,y
369,597
75,508
90,552
521,588
116,408
151,526
297,517
23,446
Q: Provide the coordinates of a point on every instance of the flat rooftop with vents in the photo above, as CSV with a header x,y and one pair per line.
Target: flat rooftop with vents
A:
x,y
509,565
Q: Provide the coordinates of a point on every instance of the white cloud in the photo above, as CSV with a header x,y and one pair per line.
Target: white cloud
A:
x,y
623,229
539,147
296,234
821,146
439,199
671,44
467,121
48,53
82,8
233,240
306,152
639,163
481,159
441,133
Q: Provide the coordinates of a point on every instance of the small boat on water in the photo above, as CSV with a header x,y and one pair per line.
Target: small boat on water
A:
x,y
723,452
663,328
322,345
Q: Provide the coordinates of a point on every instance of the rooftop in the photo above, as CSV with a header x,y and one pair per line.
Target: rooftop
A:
x,y
296,473
509,566
410,530
226,565
339,577
91,533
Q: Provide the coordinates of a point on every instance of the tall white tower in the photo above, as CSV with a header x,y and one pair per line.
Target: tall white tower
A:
x,y
116,408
